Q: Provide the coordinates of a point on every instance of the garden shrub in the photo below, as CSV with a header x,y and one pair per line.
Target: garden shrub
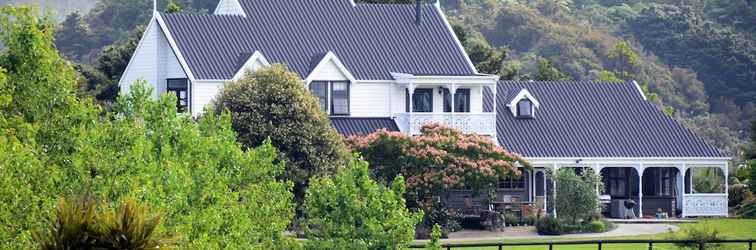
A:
x,y
272,103
738,193
576,198
700,234
352,211
435,240
747,209
511,220
530,220
549,226
595,226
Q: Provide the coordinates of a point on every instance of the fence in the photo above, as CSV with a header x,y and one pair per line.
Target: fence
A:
x,y
598,243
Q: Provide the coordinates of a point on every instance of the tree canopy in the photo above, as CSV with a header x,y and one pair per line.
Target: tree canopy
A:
x,y
272,103
438,159
52,143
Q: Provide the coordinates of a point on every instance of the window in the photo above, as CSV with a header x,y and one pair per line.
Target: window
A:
x,y
320,89
180,87
422,101
525,108
340,102
333,96
461,101
510,182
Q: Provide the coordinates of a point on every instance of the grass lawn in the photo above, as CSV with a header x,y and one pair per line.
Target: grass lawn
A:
x,y
728,228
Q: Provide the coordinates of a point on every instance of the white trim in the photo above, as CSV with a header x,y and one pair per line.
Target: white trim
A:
x,y
175,48
454,35
139,46
631,162
524,94
630,158
330,56
257,56
353,3
640,90
460,81
239,11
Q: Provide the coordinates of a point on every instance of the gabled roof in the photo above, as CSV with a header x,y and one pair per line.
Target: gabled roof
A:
x,y
348,126
593,119
371,40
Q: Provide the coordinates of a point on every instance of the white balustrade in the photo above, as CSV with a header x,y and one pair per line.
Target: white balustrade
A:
x,y
704,205
473,123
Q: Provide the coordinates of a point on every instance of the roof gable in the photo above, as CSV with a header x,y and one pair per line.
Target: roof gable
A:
x,y
230,7
329,67
523,94
593,119
372,39
253,62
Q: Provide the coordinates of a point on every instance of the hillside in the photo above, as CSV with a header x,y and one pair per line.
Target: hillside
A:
x,y
698,68
59,8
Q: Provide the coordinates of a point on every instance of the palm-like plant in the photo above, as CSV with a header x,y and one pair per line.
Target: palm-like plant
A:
x,y
131,228
72,225
79,224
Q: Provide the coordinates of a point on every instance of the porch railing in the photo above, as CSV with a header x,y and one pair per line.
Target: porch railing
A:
x,y
704,205
477,123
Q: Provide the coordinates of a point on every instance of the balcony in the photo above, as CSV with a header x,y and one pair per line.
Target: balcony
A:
x,y
471,123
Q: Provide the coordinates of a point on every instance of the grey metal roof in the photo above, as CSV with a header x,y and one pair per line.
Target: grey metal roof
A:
x,y
371,40
348,126
593,119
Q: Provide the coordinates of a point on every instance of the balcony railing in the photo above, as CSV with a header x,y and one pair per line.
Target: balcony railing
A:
x,y
704,205
472,123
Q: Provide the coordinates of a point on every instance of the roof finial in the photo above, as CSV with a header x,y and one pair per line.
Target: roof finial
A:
x,y
154,6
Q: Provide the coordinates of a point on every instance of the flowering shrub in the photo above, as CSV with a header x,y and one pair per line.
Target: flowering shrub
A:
x,y
438,159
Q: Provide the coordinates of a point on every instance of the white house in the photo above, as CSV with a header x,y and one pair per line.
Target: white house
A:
x,y
401,66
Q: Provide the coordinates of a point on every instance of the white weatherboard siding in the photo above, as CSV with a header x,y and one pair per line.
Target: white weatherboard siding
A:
x,y
398,99
328,71
370,99
204,92
154,61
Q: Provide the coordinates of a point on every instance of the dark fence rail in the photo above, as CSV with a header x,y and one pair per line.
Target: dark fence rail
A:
x,y
598,243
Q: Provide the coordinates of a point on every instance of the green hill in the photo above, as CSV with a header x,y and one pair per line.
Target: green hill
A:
x,y
59,8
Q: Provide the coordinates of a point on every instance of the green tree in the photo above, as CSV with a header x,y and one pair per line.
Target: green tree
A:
x,y
352,211
216,194
486,58
548,72
273,103
173,7
73,37
576,196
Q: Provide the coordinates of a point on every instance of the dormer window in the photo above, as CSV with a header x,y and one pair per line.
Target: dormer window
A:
x,y
525,108
524,105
